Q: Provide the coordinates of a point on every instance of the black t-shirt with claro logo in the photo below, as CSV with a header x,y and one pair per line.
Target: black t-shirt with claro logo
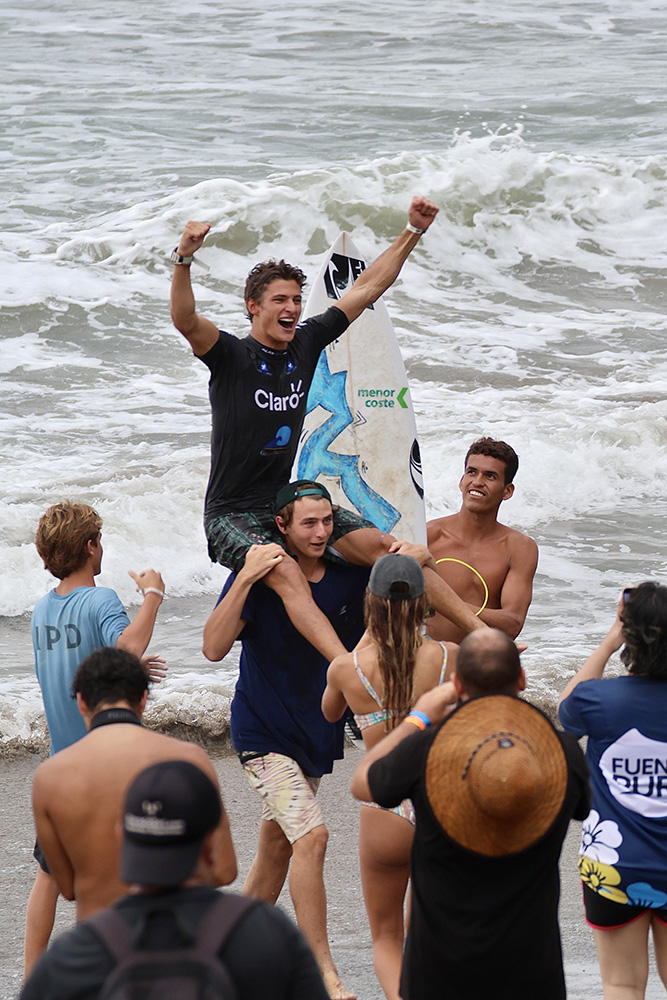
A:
x,y
258,404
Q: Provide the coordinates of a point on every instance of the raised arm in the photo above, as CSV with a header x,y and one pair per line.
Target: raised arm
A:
x,y
383,272
137,635
199,331
225,622
594,666
434,704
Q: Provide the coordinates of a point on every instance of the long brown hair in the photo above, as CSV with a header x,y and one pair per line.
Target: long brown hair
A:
x,y
394,627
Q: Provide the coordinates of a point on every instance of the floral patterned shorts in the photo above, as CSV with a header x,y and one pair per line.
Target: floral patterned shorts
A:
x,y
604,914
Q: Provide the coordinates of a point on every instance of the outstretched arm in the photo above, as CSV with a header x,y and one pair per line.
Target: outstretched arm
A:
x,y
441,596
199,331
382,273
225,623
434,704
137,635
594,666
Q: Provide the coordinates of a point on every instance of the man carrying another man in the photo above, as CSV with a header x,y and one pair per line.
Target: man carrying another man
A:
x,y
277,726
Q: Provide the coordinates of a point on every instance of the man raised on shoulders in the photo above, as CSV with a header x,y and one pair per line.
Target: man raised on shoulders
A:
x,y
472,546
258,391
283,741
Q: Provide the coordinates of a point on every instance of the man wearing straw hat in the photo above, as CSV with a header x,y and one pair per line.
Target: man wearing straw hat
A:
x,y
494,787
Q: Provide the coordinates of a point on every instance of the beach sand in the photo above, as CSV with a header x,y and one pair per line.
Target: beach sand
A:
x,y
348,929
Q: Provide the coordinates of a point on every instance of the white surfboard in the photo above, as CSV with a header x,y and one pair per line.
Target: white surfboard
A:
x,y
359,437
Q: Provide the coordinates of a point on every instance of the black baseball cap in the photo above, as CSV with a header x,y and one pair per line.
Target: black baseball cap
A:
x,y
169,809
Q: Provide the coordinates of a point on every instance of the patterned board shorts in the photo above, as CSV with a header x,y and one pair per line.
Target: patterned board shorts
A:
x,y
288,795
231,535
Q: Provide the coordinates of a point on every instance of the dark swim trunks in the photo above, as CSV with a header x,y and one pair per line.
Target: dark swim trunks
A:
x,y
39,857
231,535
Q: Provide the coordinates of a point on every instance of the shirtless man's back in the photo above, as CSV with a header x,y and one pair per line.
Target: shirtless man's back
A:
x,y
474,552
78,793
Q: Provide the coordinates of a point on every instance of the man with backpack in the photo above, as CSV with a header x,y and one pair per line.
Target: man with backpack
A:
x,y
174,935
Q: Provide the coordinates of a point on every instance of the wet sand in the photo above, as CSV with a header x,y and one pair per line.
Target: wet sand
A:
x,y
348,931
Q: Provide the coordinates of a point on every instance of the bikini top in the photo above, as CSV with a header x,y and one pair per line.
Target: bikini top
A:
x,y
381,714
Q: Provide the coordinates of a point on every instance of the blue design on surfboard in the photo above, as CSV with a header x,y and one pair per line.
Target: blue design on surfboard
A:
x,y
328,391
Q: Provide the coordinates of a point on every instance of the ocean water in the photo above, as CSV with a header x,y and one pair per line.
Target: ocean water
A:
x,y
533,310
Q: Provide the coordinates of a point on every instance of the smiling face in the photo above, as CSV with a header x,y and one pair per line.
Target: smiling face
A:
x,y
482,484
276,314
310,529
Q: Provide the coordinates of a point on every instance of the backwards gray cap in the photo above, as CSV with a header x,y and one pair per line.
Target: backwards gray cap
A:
x,y
397,576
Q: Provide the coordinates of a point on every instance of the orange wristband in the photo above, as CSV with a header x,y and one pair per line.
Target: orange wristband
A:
x,y
418,719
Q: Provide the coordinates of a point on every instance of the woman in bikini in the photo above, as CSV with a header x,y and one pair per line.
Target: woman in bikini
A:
x,y
380,681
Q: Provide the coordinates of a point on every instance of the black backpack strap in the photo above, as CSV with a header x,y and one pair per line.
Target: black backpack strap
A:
x,y
212,930
220,919
115,932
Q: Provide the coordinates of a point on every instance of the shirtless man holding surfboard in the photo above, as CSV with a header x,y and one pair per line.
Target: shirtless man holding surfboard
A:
x,y
258,392
488,564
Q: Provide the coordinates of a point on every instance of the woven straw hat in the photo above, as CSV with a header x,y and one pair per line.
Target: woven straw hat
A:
x,y
496,775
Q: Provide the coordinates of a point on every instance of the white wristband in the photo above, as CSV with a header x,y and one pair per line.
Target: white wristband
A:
x,y
151,590
413,229
178,258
